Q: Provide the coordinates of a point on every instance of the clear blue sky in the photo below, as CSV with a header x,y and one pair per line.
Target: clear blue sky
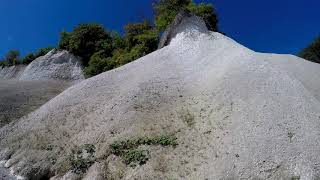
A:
x,y
279,26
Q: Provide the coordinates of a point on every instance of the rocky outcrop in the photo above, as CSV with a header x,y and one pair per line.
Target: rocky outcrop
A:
x,y
183,21
58,65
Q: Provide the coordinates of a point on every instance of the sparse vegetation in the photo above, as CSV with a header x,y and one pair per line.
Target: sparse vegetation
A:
x,y
128,149
80,159
135,156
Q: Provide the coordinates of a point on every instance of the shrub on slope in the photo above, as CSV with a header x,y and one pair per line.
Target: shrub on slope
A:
x,y
166,11
312,52
32,56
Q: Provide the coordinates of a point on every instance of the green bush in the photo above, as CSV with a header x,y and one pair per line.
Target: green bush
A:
x,y
139,40
98,63
82,158
12,57
42,52
28,58
124,56
85,40
207,13
128,149
64,40
135,157
312,52
166,11
3,63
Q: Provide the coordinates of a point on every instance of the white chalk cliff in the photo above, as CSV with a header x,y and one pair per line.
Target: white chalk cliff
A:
x,y
56,65
236,114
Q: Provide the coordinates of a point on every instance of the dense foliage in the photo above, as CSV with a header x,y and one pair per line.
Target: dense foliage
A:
x,y
312,52
139,39
101,50
85,40
166,11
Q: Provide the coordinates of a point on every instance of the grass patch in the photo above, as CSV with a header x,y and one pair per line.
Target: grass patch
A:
x,y
136,156
129,152
82,158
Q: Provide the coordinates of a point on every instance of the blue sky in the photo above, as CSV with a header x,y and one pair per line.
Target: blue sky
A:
x,y
278,26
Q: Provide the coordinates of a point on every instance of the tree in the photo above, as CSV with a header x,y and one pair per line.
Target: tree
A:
x,y
28,58
12,57
42,52
97,64
312,52
141,34
64,40
85,40
207,13
166,11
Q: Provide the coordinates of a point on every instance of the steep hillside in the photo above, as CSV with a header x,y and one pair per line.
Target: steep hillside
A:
x,y
59,65
203,107
24,89
56,65
12,72
18,98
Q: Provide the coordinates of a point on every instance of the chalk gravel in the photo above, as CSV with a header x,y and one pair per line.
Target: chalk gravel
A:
x,y
236,114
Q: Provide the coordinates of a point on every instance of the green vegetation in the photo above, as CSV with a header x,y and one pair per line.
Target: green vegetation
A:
x,y
102,50
312,52
82,158
136,156
78,160
28,58
42,51
32,56
11,58
166,10
85,40
139,39
3,63
128,149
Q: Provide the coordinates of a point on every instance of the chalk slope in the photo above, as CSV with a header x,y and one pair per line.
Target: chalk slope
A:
x,y
236,114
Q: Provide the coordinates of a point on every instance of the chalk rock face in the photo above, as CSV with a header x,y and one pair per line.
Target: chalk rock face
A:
x,y
184,21
12,72
236,114
60,65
